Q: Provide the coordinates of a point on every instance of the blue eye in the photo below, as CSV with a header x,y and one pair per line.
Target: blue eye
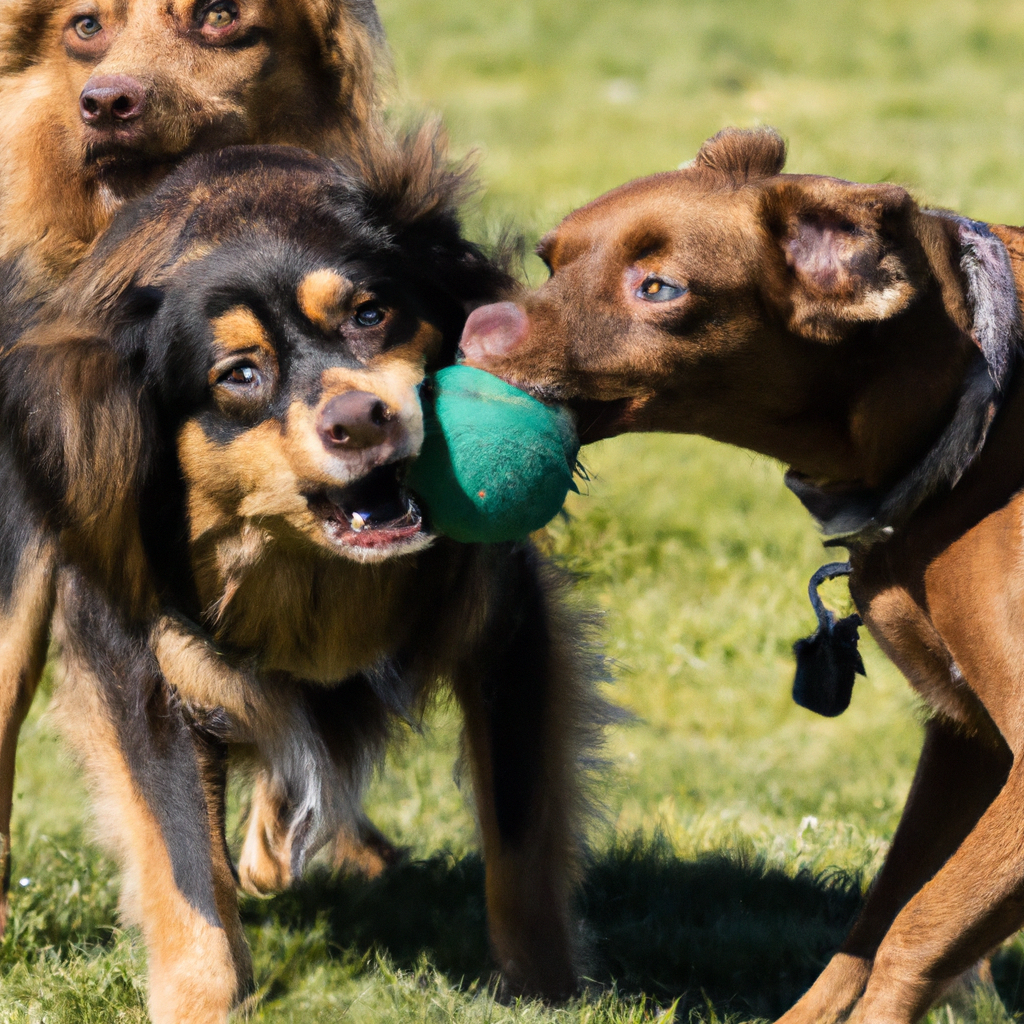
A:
x,y
86,26
657,289
369,316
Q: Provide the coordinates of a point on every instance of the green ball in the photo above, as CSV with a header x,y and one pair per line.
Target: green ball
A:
x,y
496,463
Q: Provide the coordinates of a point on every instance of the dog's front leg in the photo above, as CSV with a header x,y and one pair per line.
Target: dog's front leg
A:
x,y
957,777
159,789
973,902
530,712
26,606
312,748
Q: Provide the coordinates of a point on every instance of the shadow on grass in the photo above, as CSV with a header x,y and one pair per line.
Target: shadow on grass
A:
x,y
724,927
748,937
1008,973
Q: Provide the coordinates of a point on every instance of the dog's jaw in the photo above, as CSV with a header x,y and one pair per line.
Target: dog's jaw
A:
x,y
371,520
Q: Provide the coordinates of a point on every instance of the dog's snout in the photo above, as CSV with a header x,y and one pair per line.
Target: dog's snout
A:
x,y
356,421
108,100
492,332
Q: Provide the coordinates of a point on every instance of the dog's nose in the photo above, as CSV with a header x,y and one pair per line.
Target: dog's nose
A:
x,y
109,99
356,421
492,332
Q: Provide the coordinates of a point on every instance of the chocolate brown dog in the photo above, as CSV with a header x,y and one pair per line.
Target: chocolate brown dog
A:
x,y
870,345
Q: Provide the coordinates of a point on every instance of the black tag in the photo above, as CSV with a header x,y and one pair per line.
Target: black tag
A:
x,y
828,661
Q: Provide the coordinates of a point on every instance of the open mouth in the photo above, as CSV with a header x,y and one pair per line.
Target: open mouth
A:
x,y
375,512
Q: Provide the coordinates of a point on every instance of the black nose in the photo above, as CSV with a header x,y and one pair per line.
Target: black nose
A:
x,y
109,99
356,421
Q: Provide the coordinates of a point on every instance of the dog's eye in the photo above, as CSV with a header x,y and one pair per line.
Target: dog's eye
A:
x,y
657,289
240,386
87,26
245,374
369,315
220,16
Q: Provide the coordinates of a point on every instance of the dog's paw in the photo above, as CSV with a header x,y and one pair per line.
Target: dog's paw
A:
x,y
364,850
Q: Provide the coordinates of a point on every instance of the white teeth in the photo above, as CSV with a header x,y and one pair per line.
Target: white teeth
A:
x,y
357,522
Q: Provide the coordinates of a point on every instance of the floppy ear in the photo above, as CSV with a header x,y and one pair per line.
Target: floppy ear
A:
x,y
410,188
743,153
849,251
76,418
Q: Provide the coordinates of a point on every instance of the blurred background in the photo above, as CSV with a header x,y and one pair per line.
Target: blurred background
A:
x,y
739,830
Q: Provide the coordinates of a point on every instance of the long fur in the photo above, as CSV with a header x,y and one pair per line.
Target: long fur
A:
x,y
203,585
312,77
311,80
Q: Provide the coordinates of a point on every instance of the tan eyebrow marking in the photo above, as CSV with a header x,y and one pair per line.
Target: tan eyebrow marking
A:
x,y
239,330
324,296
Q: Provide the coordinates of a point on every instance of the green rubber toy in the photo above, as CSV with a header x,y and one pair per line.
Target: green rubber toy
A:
x,y
496,463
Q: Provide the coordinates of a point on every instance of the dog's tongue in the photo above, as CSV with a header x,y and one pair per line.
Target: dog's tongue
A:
x,y
373,512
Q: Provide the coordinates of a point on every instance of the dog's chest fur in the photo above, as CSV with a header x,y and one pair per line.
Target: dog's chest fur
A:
x,y
294,610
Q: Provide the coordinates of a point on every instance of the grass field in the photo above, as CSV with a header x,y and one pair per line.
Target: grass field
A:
x,y
740,830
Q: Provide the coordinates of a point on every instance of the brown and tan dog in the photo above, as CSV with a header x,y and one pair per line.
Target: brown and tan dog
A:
x,y
98,101
868,344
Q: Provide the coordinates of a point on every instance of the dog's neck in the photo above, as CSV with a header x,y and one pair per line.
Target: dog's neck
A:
x,y
294,609
951,393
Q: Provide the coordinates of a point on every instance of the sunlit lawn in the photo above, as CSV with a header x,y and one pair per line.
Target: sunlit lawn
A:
x,y
739,829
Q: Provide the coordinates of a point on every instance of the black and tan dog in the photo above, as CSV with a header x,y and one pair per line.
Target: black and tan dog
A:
x,y
98,102
217,413
871,346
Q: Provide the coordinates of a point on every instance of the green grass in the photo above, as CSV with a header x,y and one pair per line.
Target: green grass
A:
x,y
740,830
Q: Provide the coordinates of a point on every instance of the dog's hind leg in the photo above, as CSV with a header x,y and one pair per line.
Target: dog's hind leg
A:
x,y
26,606
957,777
151,779
314,747
355,725
532,715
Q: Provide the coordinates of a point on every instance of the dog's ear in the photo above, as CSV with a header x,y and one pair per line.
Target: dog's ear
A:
x,y
364,12
76,416
849,253
409,188
743,153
